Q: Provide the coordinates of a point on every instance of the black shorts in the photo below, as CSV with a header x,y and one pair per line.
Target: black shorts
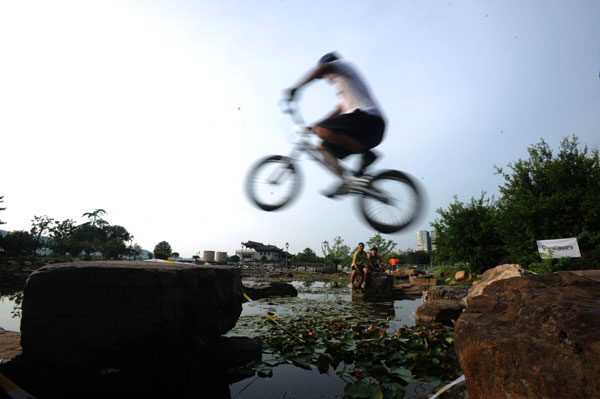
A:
x,y
366,128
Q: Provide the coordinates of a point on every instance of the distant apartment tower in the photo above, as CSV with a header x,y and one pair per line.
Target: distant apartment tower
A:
x,y
433,237
423,241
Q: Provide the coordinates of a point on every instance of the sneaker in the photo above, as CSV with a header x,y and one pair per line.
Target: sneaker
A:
x,y
339,189
362,285
368,157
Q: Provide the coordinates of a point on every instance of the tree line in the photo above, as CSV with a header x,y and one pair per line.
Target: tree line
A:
x,y
338,253
546,196
94,238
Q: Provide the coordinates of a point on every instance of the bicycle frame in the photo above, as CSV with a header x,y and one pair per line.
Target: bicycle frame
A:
x,y
359,184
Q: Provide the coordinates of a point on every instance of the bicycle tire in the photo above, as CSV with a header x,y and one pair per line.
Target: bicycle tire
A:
x,y
286,180
405,202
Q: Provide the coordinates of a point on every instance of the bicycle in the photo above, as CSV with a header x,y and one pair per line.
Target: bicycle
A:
x,y
274,181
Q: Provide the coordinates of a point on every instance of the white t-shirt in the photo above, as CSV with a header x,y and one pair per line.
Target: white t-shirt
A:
x,y
352,90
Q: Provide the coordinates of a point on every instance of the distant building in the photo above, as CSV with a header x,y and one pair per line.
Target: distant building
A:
x,y
253,251
433,237
423,241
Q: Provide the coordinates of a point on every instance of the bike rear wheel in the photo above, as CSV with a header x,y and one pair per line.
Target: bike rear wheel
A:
x,y
273,182
395,205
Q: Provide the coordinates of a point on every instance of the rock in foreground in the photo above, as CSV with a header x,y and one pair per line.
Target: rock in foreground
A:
x,y
115,313
442,311
267,289
532,337
489,276
452,293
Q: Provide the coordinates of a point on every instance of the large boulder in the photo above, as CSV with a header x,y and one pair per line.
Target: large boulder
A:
x,y
532,337
268,289
126,312
379,285
442,311
489,276
453,293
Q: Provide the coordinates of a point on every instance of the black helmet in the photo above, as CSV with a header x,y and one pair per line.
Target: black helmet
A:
x,y
328,58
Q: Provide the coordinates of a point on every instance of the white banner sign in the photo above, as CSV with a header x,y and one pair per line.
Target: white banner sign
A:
x,y
560,248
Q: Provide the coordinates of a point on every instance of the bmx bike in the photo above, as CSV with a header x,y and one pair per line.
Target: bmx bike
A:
x,y
389,200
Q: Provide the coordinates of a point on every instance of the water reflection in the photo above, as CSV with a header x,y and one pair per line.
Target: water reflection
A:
x,y
11,296
291,382
340,300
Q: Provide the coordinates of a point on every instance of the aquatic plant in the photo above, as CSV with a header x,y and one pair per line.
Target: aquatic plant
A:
x,y
375,358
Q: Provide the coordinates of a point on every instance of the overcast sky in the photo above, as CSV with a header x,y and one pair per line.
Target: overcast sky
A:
x,y
155,110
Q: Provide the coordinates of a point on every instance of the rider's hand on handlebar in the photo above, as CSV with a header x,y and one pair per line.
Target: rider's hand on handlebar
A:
x,y
289,94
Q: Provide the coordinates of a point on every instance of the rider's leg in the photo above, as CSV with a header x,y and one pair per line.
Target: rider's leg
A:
x,y
339,138
368,157
331,161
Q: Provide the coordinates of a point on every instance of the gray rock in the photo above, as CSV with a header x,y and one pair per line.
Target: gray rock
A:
x,y
441,311
454,293
497,273
379,285
124,312
237,351
266,289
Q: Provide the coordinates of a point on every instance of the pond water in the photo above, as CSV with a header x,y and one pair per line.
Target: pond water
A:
x,y
289,381
7,319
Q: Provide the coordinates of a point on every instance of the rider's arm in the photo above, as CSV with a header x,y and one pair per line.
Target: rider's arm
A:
x,y
316,73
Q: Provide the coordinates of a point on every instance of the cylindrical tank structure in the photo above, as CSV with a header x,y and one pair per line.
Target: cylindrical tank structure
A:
x,y
208,256
221,257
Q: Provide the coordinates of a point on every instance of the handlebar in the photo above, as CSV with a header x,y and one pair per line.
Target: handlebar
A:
x,y
291,108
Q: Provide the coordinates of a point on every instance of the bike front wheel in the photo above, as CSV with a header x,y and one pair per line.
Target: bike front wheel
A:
x,y
391,202
273,182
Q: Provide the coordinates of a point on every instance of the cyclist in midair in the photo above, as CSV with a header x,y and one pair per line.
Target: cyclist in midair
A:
x,y
355,126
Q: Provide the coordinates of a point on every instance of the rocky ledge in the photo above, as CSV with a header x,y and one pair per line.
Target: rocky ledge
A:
x,y
128,329
536,336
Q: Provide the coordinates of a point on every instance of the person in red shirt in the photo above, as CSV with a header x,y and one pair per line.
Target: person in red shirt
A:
x,y
394,261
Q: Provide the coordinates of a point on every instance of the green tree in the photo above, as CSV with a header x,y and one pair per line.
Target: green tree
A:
x,y
18,243
337,252
61,235
384,247
114,243
419,258
233,259
162,250
306,256
551,196
40,226
467,233
96,217
87,238
135,251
